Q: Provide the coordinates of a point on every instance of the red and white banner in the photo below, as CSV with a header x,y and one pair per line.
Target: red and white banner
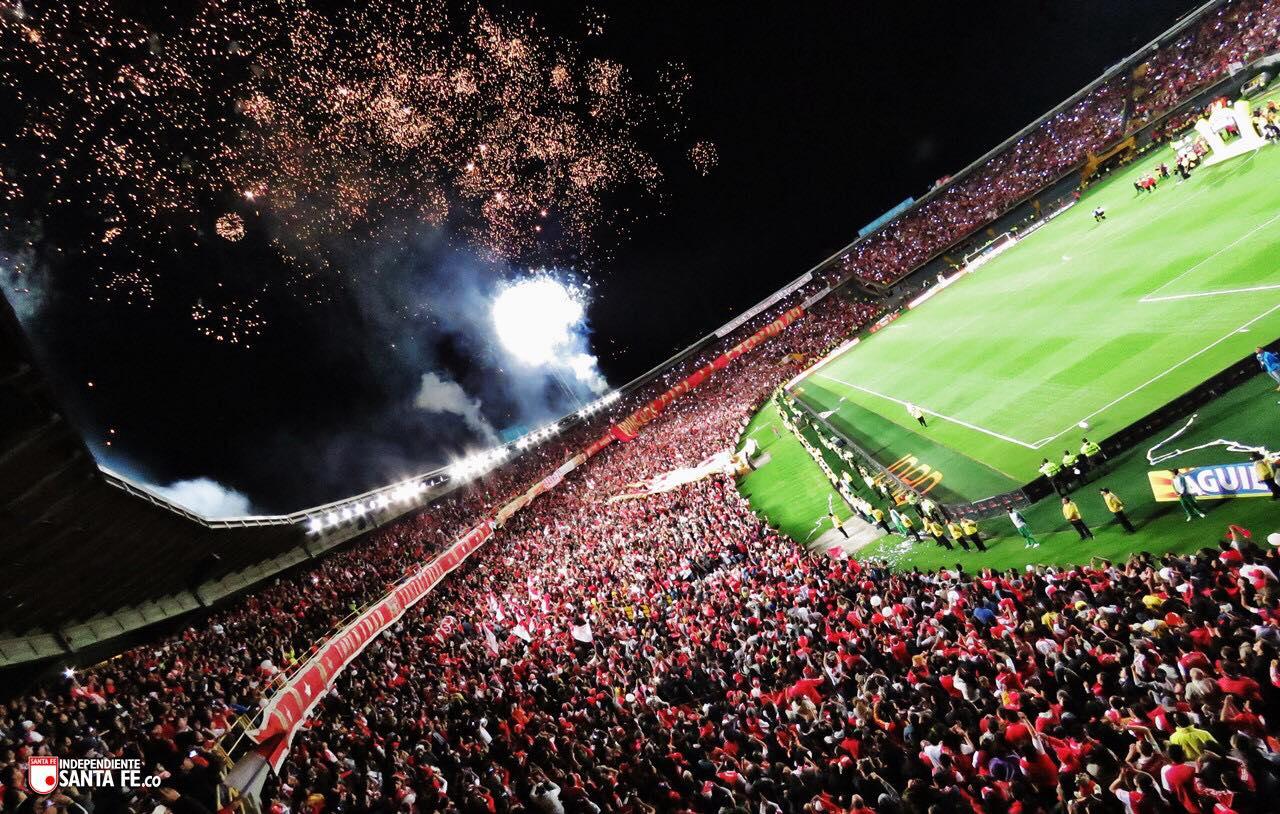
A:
x,y
628,428
720,463
293,703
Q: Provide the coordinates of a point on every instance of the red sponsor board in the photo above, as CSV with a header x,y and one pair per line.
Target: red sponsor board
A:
x,y
599,445
884,320
628,428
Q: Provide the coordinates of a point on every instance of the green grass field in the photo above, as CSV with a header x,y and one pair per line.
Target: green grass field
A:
x,y
791,492
1101,322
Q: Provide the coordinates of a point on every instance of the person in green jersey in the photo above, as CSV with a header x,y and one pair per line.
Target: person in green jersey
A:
x,y
1185,488
1020,523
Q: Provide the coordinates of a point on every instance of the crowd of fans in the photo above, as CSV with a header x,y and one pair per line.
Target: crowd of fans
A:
x,y
1236,33
168,703
674,653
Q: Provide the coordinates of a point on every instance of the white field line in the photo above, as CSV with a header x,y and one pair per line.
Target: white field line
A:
x,y
961,422
1159,375
1218,293
1048,439
1111,237
1149,298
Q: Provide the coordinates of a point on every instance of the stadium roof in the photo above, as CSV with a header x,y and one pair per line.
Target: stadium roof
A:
x,y
71,542
88,554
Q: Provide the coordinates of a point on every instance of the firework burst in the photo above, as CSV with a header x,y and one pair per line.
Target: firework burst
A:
x,y
230,227
704,156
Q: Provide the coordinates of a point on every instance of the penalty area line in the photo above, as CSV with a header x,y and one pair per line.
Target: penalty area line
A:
x,y
1150,296
926,410
1161,374
1218,293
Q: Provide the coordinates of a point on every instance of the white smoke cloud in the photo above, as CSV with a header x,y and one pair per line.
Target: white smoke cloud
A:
x,y
586,370
437,394
24,284
541,322
206,497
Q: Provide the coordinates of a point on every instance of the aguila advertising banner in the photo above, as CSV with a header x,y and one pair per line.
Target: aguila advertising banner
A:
x,y
1211,482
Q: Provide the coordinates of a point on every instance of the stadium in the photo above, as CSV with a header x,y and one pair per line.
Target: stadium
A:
x,y
977,514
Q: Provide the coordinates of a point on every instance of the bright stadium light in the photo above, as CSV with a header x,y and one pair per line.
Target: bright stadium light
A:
x,y
315,525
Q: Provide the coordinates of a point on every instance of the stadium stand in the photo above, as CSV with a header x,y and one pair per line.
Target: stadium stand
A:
x,y
207,681
677,654
1146,88
58,512
132,557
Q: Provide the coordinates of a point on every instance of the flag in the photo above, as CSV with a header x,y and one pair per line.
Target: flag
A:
x,y
522,632
496,608
445,629
582,632
490,641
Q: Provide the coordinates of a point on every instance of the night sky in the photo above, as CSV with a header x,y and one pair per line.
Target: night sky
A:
x,y
823,114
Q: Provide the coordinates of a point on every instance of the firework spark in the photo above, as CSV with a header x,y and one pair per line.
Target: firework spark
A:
x,y
230,227
704,156
319,125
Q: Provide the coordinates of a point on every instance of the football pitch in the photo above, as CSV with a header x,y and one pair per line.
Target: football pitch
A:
x,y
1080,321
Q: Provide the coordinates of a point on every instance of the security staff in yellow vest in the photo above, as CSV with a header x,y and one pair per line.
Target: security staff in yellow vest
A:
x,y
1116,506
1071,470
953,528
1050,470
971,532
836,524
1071,513
877,514
935,530
1091,456
1266,473
909,526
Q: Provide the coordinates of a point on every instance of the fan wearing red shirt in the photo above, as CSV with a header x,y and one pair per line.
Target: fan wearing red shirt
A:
x,y
1232,683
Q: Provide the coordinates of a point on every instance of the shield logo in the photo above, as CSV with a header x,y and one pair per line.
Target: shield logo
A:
x,y
42,774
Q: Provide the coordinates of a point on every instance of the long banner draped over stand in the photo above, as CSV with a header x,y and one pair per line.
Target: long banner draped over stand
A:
x,y
296,699
294,702
628,428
